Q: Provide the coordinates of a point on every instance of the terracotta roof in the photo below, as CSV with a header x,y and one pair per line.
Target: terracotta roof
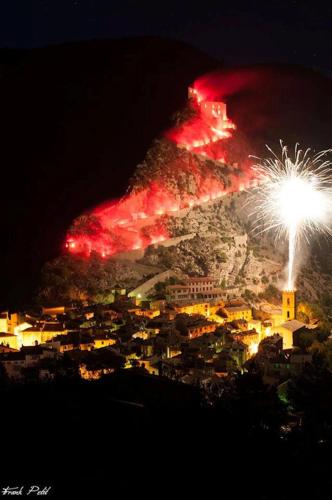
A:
x,y
293,325
246,333
244,307
46,327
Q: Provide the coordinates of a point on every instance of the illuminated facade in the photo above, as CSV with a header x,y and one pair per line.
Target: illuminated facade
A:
x,y
205,287
40,334
238,312
8,339
8,322
286,331
288,305
150,364
202,308
250,338
53,311
200,328
147,313
100,341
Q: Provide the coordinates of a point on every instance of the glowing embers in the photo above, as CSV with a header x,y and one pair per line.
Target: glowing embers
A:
x,y
71,244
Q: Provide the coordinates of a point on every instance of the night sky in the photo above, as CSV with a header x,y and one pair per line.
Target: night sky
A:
x,y
238,32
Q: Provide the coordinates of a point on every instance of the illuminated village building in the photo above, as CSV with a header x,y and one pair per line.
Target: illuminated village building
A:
x,y
287,330
237,312
256,324
16,332
61,344
250,338
289,325
198,327
4,322
13,322
101,340
146,313
195,288
273,313
9,339
8,322
215,125
194,307
172,351
6,348
210,109
150,364
40,333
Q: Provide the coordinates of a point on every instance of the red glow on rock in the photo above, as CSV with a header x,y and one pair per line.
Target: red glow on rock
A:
x,y
131,223
136,220
117,233
210,125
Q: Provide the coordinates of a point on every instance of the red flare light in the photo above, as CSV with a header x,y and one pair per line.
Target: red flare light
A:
x,y
209,126
135,221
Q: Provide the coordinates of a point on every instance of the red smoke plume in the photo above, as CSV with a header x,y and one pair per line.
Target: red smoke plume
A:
x,y
220,85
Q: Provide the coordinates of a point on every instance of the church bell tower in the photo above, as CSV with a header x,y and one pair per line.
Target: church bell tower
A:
x,y
288,305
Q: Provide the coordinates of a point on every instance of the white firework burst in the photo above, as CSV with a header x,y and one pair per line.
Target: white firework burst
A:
x,y
293,197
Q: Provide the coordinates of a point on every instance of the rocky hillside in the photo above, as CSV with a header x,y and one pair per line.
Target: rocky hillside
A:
x,y
218,239
177,171
215,238
76,120
202,234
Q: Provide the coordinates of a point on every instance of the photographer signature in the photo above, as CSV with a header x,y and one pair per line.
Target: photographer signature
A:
x,y
25,490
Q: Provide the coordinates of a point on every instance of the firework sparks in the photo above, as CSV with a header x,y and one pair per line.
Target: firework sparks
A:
x,y
293,198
